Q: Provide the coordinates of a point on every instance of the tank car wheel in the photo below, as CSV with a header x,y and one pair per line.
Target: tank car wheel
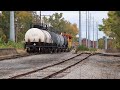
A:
x,y
28,50
61,50
53,50
47,50
58,50
68,50
39,50
44,50
36,50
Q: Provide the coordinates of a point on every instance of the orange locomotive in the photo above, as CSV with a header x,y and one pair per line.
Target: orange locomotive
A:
x,y
69,38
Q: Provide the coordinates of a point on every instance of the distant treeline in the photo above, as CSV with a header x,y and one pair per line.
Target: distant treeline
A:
x,y
23,20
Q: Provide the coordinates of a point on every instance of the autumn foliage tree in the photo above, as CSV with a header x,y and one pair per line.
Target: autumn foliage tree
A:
x,y
24,19
61,25
23,22
5,24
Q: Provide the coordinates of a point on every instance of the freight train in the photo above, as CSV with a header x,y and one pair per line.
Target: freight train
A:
x,y
42,39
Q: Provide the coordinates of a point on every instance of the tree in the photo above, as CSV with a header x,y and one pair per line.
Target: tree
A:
x,y
101,43
23,21
5,23
61,25
2,36
111,27
57,21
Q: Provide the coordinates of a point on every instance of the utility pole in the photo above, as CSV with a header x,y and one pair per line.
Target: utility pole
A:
x,y
93,32
80,28
86,28
0,13
105,42
40,17
97,34
45,16
90,31
89,19
12,28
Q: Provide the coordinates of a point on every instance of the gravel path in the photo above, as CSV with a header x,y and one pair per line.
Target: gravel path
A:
x,y
96,67
23,64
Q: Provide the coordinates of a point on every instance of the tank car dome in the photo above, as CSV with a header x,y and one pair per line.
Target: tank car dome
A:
x,y
34,35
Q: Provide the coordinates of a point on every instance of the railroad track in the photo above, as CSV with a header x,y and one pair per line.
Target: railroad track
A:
x,y
54,65
114,55
16,56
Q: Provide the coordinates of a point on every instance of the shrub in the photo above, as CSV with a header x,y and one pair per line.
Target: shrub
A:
x,y
11,44
82,48
92,49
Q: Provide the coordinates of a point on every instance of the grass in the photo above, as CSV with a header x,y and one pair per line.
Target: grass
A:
x,y
11,44
84,48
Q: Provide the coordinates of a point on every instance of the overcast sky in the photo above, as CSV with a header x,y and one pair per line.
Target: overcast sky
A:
x,y
73,17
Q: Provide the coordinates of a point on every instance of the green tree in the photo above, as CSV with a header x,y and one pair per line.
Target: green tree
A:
x,y
101,43
23,21
111,27
2,36
57,21
5,23
61,25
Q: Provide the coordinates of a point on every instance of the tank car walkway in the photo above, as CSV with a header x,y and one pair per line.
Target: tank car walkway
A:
x,y
96,67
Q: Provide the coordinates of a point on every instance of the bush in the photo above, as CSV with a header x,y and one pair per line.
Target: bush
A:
x,y
11,44
92,49
1,41
82,48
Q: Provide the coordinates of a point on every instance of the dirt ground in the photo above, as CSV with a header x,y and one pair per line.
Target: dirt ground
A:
x,y
96,67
